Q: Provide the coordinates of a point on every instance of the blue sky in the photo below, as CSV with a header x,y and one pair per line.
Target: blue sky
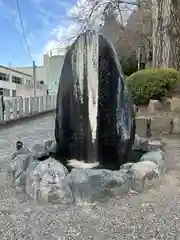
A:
x,y
46,23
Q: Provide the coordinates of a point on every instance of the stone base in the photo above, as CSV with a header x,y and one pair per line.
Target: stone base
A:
x,y
50,181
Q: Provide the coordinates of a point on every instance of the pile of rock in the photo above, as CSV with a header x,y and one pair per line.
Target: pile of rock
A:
x,y
49,181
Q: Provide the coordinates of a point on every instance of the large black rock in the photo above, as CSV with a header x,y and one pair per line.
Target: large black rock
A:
x,y
94,113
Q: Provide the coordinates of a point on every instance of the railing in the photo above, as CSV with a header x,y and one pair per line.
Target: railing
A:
x,y
25,107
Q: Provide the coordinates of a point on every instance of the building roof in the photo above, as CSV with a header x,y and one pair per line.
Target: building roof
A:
x,y
11,69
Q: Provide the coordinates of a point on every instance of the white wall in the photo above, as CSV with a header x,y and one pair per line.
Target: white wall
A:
x,y
53,66
28,91
40,72
23,90
9,84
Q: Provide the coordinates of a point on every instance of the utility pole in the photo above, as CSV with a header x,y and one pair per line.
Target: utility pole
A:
x,y
34,77
139,56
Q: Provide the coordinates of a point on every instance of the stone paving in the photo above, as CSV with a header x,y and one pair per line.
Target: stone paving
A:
x,y
154,214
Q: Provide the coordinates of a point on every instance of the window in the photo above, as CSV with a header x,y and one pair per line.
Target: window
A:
x,y
4,77
16,80
13,93
4,92
41,82
28,81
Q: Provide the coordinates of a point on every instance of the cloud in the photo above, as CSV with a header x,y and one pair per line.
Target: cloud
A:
x,y
61,37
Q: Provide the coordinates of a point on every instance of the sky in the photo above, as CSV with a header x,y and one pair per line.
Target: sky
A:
x,y
46,24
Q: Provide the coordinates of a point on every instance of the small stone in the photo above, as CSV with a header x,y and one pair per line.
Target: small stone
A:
x,y
175,104
28,211
154,106
142,126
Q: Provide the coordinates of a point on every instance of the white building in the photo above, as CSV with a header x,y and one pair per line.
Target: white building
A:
x,y
49,73
16,83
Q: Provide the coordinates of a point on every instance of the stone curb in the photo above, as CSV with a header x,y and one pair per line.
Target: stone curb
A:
x,y
36,177
157,125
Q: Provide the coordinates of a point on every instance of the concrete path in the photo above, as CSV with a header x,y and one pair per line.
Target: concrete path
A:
x,y
154,214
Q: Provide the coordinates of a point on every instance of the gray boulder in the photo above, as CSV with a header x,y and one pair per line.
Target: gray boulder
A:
x,y
39,151
21,151
92,185
50,145
140,143
155,144
126,167
141,173
18,168
157,157
46,182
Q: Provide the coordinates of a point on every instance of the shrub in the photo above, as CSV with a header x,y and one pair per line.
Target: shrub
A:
x,y
152,84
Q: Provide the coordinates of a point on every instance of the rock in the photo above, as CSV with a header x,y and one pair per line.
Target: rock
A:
x,y
140,143
135,108
157,157
175,104
176,125
21,151
142,126
92,185
142,172
46,182
50,145
166,102
161,124
155,144
91,90
126,167
18,169
39,151
154,106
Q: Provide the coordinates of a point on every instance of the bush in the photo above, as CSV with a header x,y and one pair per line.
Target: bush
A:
x,y
152,84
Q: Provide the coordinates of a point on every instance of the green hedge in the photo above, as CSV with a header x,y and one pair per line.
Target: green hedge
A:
x,y
152,84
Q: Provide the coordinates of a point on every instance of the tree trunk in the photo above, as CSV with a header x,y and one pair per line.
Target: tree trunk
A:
x,y
166,33
161,16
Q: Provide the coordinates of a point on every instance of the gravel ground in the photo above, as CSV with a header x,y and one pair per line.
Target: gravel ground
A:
x,y
154,214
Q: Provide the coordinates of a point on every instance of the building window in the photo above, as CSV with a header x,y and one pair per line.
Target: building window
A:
x,y
4,92
28,81
41,82
4,77
16,80
13,93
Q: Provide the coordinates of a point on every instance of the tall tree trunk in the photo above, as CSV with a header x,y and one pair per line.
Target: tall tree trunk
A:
x,y
166,33
161,16
174,32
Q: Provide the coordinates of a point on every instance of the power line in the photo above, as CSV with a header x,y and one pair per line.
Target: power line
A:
x,y
23,31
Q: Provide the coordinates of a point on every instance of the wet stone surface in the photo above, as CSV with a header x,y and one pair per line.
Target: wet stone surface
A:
x,y
153,214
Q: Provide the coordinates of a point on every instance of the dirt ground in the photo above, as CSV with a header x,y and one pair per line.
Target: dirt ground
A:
x,y
154,214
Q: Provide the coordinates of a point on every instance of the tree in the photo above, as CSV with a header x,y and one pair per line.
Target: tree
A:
x,y
114,19
166,33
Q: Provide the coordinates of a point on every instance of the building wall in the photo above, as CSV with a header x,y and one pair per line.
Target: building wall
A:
x,y
53,66
28,90
23,85
40,72
49,73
